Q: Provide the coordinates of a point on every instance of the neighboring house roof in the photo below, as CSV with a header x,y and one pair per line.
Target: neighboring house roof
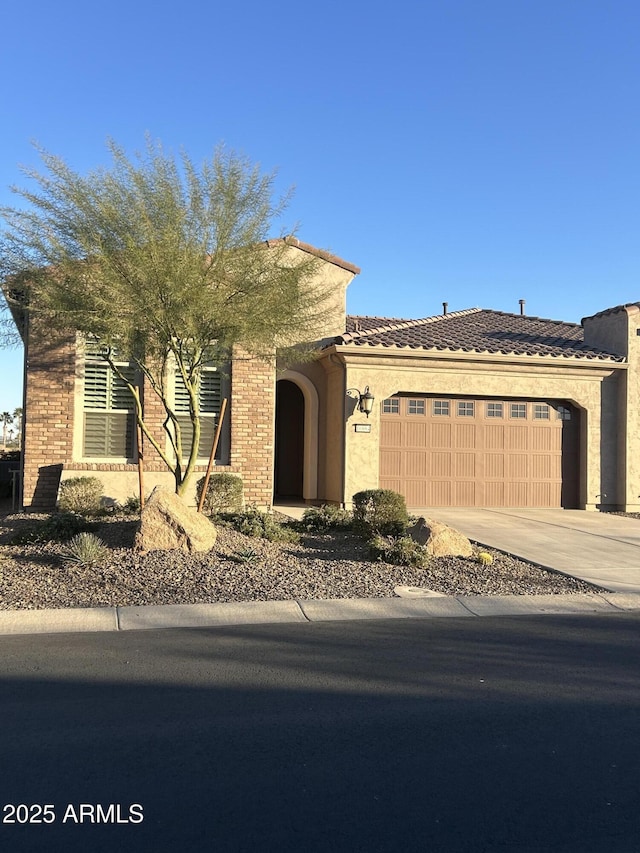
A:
x,y
475,330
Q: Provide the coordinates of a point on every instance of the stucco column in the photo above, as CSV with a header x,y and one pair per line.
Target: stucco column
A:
x,y
362,439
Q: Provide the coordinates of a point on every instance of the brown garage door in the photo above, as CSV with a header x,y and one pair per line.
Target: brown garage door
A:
x,y
452,451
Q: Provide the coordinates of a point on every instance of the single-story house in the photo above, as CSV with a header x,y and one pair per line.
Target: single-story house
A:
x,y
470,408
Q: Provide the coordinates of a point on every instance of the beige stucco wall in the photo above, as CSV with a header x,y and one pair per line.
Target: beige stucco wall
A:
x,y
617,330
330,283
586,384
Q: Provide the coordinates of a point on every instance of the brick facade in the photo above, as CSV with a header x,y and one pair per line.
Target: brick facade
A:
x,y
50,420
48,417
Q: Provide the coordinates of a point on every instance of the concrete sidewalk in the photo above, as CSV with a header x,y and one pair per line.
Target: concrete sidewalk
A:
x,y
598,547
97,619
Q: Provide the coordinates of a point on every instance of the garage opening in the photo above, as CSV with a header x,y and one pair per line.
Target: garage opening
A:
x,y
485,452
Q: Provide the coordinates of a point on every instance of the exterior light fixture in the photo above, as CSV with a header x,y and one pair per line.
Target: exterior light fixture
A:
x,y
365,400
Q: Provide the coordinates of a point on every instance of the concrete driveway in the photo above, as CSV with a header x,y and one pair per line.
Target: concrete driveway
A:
x,y
601,548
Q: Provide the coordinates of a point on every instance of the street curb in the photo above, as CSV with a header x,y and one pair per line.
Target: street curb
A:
x,y
226,614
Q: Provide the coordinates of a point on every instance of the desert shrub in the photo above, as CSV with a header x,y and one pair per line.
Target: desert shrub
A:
x,y
132,505
59,527
379,512
82,495
484,558
85,550
224,494
261,525
327,517
401,551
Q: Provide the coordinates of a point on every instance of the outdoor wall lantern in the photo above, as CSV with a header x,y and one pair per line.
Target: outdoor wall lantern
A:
x,y
365,401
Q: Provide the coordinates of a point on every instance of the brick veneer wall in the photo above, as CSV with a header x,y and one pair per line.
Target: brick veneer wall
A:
x,y
253,390
49,425
48,416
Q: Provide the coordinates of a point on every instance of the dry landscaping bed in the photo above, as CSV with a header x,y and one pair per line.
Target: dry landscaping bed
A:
x,y
331,565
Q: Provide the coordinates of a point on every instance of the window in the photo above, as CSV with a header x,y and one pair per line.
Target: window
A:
x,y
494,410
108,407
518,410
564,413
209,401
441,407
466,409
415,407
540,412
391,406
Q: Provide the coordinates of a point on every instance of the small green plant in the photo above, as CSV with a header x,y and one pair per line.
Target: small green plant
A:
x,y
401,551
379,512
262,525
484,558
59,527
224,494
82,495
85,550
132,505
319,519
247,555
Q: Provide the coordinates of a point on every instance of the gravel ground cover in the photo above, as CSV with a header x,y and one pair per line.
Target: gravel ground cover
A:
x,y
240,568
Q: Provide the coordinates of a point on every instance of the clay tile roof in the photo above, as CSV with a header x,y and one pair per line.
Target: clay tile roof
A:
x,y
475,330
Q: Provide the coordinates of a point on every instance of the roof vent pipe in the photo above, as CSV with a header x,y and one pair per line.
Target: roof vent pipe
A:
x,y
445,307
521,303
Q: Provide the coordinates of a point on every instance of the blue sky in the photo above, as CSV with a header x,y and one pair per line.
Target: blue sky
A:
x,y
461,151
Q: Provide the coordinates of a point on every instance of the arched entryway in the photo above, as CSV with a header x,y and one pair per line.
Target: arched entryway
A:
x,y
289,438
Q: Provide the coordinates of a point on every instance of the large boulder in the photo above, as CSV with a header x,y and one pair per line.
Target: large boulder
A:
x,y
439,539
167,523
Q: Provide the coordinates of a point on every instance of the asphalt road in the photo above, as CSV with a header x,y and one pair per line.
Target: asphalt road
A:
x,y
496,734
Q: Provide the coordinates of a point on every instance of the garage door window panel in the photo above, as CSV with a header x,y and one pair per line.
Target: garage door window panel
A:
x,y
540,412
466,409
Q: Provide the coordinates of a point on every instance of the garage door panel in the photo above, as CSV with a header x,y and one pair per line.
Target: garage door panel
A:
x,y
440,464
547,440
546,467
390,433
465,436
416,463
440,435
517,438
493,465
391,463
517,494
518,466
494,494
415,434
494,437
416,492
439,494
485,453
465,465
464,493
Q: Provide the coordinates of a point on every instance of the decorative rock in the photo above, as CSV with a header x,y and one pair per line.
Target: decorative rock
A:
x,y
167,523
439,539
